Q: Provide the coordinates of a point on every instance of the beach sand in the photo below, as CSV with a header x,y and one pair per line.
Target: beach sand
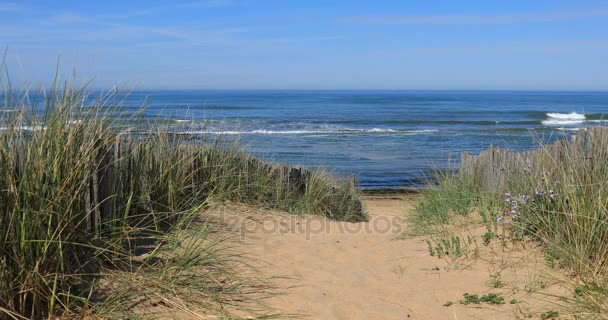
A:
x,y
334,270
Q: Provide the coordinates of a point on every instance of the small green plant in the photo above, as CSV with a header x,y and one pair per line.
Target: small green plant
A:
x,y
448,303
440,251
490,298
470,299
430,247
493,298
451,247
486,209
496,282
488,237
549,315
514,301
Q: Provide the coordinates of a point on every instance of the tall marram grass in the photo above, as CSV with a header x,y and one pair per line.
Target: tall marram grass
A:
x,y
81,197
446,196
560,200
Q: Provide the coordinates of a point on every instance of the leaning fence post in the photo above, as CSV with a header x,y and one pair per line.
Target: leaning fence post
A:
x,y
96,205
87,207
352,181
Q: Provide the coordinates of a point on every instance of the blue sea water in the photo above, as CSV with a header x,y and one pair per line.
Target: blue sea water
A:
x,y
389,139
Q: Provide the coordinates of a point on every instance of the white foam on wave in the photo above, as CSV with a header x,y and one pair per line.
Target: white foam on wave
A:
x,y
343,131
571,129
556,122
421,131
563,119
566,116
379,130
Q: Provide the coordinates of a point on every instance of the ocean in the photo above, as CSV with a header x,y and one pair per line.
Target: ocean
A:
x,y
388,139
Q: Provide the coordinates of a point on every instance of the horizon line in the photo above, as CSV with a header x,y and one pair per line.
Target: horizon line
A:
x,y
355,89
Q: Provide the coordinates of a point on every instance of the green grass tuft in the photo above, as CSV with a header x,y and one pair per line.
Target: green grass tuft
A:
x,y
559,199
82,197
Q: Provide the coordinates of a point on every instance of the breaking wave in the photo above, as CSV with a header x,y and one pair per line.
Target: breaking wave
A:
x,y
312,132
563,119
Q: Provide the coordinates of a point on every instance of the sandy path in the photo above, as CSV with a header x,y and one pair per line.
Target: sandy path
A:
x,y
340,270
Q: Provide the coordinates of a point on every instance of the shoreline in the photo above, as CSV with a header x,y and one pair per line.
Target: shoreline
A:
x,y
390,191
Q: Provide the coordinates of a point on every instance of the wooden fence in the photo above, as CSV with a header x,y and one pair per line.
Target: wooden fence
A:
x,y
491,167
121,163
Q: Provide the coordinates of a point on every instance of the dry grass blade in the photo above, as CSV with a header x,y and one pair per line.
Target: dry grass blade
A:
x,y
83,194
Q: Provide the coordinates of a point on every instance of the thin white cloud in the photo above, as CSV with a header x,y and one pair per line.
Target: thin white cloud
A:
x,y
298,39
124,16
9,7
497,18
92,30
501,48
68,18
207,3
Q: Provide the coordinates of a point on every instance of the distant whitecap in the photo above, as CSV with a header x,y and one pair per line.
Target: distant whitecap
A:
x,y
563,119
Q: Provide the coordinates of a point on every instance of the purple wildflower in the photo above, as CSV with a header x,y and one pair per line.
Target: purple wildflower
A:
x,y
525,198
508,198
515,204
557,182
552,194
537,191
513,212
500,218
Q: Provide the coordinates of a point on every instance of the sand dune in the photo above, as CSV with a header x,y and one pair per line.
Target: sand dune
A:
x,y
336,270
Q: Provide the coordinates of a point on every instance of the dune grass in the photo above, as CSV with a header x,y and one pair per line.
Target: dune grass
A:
x,y
445,197
561,203
83,199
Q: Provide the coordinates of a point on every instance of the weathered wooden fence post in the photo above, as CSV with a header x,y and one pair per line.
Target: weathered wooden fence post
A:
x,y
352,181
492,166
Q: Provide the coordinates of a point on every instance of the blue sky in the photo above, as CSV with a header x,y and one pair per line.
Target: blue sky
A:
x,y
284,44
